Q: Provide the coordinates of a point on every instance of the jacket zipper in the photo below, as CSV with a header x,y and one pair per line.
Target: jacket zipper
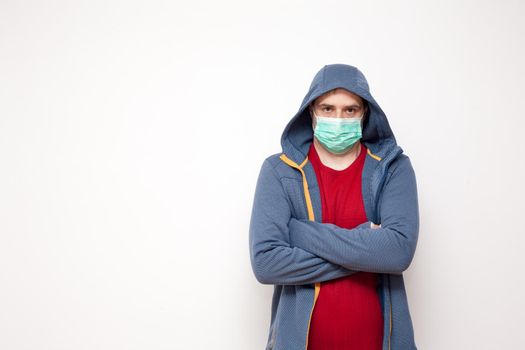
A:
x,y
376,201
311,217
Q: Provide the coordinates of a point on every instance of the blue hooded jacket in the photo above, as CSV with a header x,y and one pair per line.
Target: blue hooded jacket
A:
x,y
292,249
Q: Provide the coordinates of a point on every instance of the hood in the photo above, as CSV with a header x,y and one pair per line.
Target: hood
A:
x,y
298,133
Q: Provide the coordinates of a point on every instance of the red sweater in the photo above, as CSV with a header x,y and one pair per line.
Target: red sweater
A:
x,y
347,314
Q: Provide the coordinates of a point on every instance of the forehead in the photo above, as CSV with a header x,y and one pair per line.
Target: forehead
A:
x,y
339,97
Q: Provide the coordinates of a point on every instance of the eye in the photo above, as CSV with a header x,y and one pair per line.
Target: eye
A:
x,y
326,109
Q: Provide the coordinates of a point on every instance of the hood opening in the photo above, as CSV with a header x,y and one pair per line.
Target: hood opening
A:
x,y
298,133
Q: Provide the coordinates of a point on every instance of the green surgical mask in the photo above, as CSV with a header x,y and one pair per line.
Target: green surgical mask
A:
x,y
337,135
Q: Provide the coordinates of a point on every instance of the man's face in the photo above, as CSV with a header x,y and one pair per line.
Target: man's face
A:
x,y
340,103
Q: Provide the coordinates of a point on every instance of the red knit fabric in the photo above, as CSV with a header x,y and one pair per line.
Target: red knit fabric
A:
x,y
347,314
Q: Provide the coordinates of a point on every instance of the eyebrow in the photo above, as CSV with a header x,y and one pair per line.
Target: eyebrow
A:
x,y
328,105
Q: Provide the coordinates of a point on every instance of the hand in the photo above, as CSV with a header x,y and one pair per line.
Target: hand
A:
x,y
372,225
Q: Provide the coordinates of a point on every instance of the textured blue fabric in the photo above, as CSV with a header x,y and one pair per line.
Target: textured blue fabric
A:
x,y
293,253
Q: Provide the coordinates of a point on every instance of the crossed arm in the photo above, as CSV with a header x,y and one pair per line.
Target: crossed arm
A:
x,y
273,259
285,250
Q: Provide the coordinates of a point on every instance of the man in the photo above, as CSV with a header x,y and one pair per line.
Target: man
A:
x,y
335,222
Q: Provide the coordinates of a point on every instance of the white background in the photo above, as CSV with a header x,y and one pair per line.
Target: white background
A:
x,y
132,134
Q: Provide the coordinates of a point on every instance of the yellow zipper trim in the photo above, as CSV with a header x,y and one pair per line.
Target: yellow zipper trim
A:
x,y
311,217
373,155
390,332
293,164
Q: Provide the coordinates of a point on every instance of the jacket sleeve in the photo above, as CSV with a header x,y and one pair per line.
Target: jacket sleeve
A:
x,y
387,249
273,260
